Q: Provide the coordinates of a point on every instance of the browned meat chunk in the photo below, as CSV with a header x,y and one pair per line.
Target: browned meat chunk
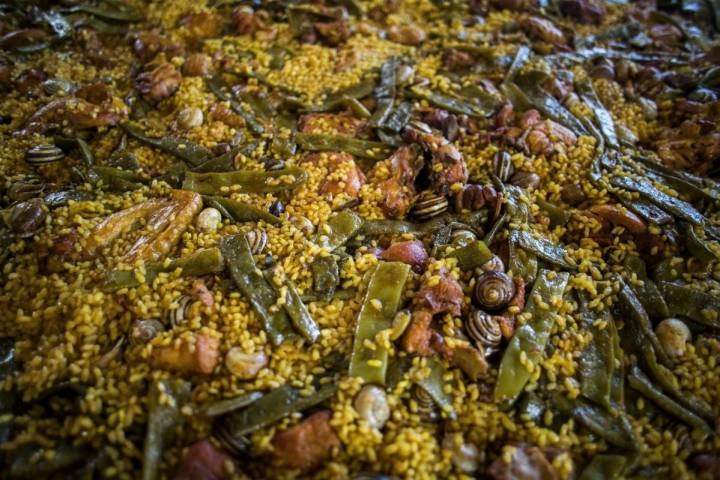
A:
x,y
528,463
160,83
399,189
203,461
199,357
411,252
308,444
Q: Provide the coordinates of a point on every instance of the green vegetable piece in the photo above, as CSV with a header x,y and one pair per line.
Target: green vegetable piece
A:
x,y
472,255
603,117
647,211
202,262
275,405
521,57
689,302
522,263
398,118
382,300
434,385
679,208
614,428
217,86
245,181
698,245
543,248
648,294
119,12
377,228
597,362
633,311
640,382
118,180
557,215
296,309
604,467
163,416
337,99
384,93
191,153
27,464
283,144
617,382
319,142
326,276
223,407
448,103
531,337
257,290
340,228
238,211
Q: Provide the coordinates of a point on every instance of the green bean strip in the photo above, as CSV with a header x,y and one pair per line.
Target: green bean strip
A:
x,y
604,467
222,163
531,337
244,181
223,407
557,215
472,255
126,14
384,93
163,417
257,290
337,99
603,117
543,248
326,276
27,464
382,300
319,142
615,429
191,153
339,229
434,385
597,363
648,294
689,302
617,382
677,207
448,103
697,246
299,315
275,405
283,141
202,262
634,312
521,57
216,86
647,211
376,228
117,179
684,182
238,211
398,118
640,382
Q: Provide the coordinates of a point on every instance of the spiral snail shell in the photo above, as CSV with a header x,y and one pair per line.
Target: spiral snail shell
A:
x,y
494,290
485,331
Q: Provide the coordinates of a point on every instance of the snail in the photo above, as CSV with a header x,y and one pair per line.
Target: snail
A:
x,y
257,240
485,331
502,165
142,331
494,290
429,205
43,153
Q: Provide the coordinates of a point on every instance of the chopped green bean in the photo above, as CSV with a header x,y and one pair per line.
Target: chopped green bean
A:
x,y
240,211
223,407
299,315
339,229
692,303
472,255
614,428
448,103
217,87
191,153
318,142
244,181
382,300
543,248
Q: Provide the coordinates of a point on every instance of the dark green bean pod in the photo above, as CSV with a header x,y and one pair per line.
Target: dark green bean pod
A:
x,y
339,229
326,276
218,87
118,12
697,245
648,294
223,407
694,304
283,141
376,228
531,337
398,118
640,382
384,93
318,142
224,162
62,197
613,427
677,207
451,104
602,116
273,406
299,315
238,211
28,464
521,57
543,248
604,467
337,99
244,181
191,153
647,211
597,362
202,262
472,255
634,312
558,215
259,293
163,417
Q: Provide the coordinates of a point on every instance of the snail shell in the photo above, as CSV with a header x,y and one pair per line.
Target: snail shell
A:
x,y
142,331
462,236
43,153
178,315
429,205
502,165
425,403
495,264
257,240
494,290
485,331
236,446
